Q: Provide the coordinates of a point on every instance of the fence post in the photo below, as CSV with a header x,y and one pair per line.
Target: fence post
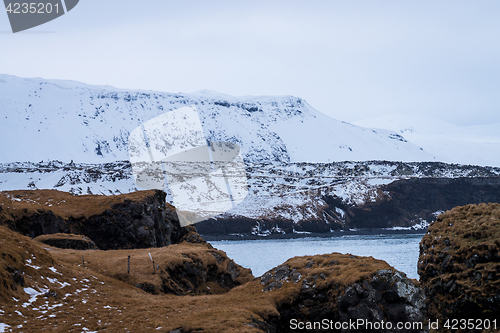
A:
x,y
128,265
154,267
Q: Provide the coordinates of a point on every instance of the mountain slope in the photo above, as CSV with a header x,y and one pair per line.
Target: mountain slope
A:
x,y
65,120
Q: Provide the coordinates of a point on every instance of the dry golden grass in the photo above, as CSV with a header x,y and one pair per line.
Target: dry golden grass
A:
x,y
25,202
96,301
16,251
95,298
470,224
43,238
114,263
462,233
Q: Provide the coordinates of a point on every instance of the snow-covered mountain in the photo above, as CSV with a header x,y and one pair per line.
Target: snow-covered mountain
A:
x,y
66,120
305,170
476,145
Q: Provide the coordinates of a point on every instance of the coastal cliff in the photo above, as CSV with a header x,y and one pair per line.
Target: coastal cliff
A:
x,y
183,287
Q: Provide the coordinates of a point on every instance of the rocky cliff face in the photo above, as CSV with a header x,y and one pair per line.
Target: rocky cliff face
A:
x,y
179,269
407,202
404,203
136,220
459,264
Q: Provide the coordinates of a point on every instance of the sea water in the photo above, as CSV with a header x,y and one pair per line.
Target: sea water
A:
x,y
400,251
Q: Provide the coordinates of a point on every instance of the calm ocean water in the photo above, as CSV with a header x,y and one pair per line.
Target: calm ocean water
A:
x,y
399,251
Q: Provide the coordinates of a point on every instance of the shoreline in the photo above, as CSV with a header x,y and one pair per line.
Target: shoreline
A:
x,y
371,231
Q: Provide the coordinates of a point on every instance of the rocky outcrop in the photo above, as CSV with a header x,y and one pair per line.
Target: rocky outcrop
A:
x,y
197,276
187,234
342,289
67,241
402,203
191,267
459,264
407,202
136,220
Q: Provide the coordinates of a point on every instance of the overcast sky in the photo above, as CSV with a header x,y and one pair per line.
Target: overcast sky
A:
x,y
349,59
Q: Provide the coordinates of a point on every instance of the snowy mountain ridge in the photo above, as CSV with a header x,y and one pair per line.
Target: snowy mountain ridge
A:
x,y
66,120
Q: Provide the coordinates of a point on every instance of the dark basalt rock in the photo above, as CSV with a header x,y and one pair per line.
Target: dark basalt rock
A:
x,y
459,263
135,220
188,234
343,288
402,203
410,200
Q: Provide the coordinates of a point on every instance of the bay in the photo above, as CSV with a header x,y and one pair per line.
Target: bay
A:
x,y
400,250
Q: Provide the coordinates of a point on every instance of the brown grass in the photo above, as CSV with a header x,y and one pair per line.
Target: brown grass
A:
x,y
469,225
101,296
463,232
114,263
16,250
25,202
109,303
43,238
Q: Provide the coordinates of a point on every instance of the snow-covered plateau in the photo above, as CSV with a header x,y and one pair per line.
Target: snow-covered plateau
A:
x,y
64,120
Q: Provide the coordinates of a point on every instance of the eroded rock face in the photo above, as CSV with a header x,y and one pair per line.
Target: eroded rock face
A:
x,y
343,288
200,276
135,220
459,264
187,234
402,203
410,200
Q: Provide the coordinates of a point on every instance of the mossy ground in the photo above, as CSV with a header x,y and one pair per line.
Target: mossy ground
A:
x,y
459,263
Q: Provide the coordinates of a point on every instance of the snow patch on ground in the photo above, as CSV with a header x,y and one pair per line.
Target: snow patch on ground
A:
x,y
3,327
33,295
28,263
54,270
